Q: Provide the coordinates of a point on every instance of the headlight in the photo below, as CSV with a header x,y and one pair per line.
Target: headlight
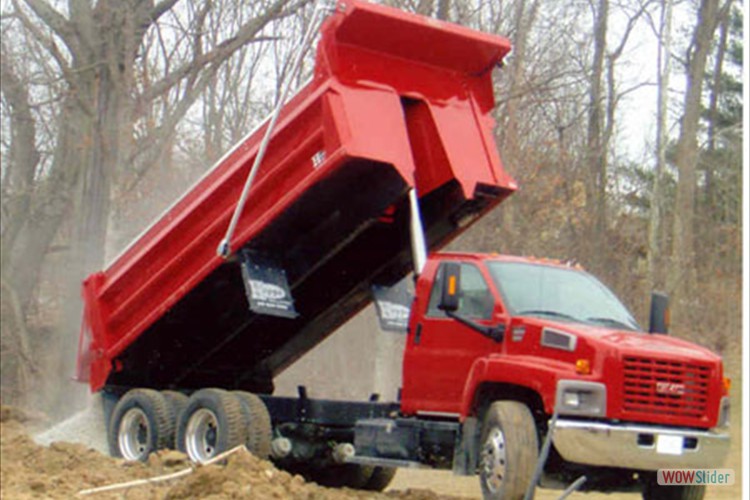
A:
x,y
575,397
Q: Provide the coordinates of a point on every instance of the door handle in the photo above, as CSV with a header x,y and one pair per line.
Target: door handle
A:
x,y
418,334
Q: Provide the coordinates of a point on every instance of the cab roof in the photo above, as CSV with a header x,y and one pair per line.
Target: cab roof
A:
x,y
568,264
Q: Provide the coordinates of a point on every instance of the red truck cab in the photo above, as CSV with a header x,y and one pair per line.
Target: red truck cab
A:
x,y
553,338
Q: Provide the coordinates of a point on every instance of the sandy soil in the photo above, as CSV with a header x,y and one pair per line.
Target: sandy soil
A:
x,y
63,470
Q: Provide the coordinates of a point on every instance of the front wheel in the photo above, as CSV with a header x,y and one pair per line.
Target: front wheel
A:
x,y
509,451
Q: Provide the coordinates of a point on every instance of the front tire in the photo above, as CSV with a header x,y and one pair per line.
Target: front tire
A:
x,y
211,423
652,490
509,451
141,423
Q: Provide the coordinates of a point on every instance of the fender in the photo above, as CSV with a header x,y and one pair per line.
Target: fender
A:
x,y
523,371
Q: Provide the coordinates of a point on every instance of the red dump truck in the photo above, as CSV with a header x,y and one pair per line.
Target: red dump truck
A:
x,y
386,154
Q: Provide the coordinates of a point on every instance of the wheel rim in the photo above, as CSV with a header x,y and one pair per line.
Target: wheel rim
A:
x,y
201,435
134,435
494,460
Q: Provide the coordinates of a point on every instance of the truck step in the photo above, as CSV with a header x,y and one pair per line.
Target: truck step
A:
x,y
386,462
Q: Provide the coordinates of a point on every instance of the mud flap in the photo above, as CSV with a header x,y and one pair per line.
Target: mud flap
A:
x,y
393,305
266,286
466,456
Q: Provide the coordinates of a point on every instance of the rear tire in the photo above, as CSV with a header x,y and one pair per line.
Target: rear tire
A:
x,y
509,451
141,423
211,423
258,424
653,491
177,401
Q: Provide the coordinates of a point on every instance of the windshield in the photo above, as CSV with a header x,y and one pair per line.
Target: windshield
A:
x,y
562,294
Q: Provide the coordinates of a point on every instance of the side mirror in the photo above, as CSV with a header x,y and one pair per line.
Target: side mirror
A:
x,y
659,316
451,286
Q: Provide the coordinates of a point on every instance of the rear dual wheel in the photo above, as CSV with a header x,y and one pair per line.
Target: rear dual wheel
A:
x,y
214,421
142,422
257,423
204,425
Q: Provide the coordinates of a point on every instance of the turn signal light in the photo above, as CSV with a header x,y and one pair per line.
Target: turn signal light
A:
x,y
583,366
727,385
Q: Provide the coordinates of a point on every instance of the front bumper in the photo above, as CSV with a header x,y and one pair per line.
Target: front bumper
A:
x,y
639,447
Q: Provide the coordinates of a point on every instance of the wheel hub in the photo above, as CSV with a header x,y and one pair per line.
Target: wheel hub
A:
x,y
494,460
201,435
134,435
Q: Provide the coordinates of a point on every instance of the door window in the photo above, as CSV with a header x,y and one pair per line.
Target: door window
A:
x,y
475,299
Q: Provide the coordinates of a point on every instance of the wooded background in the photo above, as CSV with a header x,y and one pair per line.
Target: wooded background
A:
x,y
112,108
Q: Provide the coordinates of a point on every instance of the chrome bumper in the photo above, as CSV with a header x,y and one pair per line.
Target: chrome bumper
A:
x,y
639,447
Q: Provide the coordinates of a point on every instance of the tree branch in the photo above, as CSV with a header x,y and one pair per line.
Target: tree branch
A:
x,y
245,34
44,40
160,8
56,21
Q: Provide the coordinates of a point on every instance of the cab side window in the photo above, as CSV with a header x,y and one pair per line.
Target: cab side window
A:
x,y
475,299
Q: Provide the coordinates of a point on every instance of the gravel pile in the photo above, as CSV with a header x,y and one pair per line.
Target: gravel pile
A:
x,y
85,427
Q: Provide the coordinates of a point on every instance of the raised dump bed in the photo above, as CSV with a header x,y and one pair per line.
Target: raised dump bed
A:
x,y
397,102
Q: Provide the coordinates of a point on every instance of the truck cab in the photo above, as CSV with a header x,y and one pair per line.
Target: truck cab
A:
x,y
545,339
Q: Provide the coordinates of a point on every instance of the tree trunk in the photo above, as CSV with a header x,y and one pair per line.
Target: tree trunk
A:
x,y
682,278
596,153
510,135
713,117
664,62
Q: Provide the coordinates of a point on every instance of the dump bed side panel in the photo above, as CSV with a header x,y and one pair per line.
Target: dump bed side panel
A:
x,y
329,205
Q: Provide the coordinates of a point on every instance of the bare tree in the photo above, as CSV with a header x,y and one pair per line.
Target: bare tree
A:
x,y
664,60
127,73
682,278
596,149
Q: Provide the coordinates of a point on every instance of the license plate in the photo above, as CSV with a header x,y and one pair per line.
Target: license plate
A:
x,y
669,445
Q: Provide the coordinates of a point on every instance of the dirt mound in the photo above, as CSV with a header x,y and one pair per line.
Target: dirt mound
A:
x,y
61,470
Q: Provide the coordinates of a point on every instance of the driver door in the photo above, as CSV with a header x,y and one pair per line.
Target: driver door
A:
x,y
442,350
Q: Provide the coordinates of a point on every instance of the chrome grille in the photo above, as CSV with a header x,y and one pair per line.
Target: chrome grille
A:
x,y
665,387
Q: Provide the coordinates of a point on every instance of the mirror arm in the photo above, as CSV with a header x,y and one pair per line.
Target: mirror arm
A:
x,y
496,333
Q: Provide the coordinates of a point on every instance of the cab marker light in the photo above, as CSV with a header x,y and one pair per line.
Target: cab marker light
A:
x,y
583,366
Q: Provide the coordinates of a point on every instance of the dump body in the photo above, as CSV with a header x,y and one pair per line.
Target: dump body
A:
x,y
397,102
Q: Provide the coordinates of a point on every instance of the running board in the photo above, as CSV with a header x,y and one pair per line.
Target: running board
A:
x,y
386,462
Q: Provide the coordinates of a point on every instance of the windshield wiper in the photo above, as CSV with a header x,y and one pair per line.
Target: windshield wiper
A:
x,y
545,312
611,322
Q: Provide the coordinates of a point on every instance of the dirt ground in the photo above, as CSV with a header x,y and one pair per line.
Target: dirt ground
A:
x,y
62,470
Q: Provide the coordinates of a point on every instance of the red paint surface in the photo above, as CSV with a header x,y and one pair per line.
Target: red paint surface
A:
x,y
369,59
